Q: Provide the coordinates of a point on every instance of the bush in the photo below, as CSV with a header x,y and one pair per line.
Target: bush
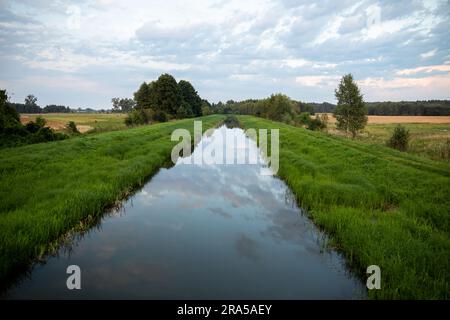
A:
x,y
304,118
160,116
316,124
72,127
399,139
138,116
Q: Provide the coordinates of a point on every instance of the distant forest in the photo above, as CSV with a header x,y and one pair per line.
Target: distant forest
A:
x,y
402,108
34,108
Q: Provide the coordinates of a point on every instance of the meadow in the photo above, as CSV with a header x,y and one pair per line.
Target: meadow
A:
x,y
86,122
429,135
381,206
47,189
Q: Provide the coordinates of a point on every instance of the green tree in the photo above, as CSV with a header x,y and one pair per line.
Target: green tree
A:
x,y
278,105
8,115
167,94
191,96
185,111
206,108
399,139
142,97
31,100
350,112
122,105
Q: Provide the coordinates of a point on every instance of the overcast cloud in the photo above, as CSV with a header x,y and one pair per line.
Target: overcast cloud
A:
x,y
84,53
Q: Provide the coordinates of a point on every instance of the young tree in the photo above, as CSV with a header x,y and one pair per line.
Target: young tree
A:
x,y
350,112
399,139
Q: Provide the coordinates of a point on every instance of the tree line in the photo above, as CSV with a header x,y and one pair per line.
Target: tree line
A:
x,y
30,106
14,133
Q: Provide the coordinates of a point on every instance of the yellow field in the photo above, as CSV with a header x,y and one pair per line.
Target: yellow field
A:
x,y
429,135
401,119
85,121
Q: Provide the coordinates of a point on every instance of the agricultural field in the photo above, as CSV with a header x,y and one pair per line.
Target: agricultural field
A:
x,y
85,122
429,135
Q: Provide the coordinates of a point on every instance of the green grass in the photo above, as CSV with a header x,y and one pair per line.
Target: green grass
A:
x,y
46,189
380,206
429,140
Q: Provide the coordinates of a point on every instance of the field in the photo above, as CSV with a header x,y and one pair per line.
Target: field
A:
x,y
48,188
86,122
430,135
382,207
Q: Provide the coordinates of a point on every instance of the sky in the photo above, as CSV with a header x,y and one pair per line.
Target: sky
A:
x,y
83,53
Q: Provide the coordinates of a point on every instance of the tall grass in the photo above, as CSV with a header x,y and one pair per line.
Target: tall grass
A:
x,y
381,207
47,189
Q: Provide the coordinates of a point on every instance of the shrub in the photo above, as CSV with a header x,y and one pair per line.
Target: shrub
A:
x,y
399,139
72,127
316,124
304,118
160,116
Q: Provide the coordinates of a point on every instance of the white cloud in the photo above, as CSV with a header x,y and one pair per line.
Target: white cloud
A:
x,y
271,45
428,54
320,81
425,69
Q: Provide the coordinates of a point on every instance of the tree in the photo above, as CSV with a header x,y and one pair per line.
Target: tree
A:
x,y
185,111
350,112
206,108
399,139
167,94
142,97
278,105
191,96
30,100
122,105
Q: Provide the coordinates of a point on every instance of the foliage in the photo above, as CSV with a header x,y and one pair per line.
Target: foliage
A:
x,y
316,124
56,109
399,139
30,100
304,118
191,99
72,127
13,133
167,99
122,104
350,112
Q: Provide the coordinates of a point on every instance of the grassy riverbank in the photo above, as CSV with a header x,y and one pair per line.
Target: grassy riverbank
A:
x,y
381,206
46,189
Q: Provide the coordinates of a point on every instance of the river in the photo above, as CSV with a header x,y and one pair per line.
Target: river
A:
x,y
200,232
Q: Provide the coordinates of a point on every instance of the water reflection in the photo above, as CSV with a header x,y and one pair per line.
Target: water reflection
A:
x,y
201,231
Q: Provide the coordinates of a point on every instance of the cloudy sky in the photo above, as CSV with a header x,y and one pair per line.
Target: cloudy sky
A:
x,y
86,52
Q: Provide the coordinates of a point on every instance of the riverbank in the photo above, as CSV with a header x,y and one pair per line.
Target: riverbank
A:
x,y
47,189
382,207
